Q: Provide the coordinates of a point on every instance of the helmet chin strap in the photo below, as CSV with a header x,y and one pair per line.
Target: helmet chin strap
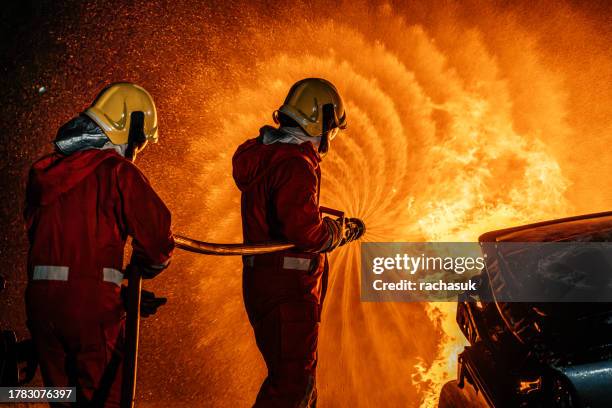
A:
x,y
328,123
136,138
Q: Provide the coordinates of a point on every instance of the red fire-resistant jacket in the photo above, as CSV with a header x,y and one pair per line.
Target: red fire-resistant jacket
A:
x,y
79,212
280,185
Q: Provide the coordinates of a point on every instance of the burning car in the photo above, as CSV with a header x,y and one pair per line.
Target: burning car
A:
x,y
535,354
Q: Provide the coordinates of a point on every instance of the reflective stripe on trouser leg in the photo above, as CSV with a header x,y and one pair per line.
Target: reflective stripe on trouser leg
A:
x,y
300,264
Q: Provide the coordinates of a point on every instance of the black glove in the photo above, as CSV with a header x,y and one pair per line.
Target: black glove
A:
x,y
147,270
335,231
151,271
148,302
354,228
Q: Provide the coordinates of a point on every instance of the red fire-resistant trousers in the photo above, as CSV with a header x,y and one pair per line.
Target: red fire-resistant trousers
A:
x,y
287,339
283,295
87,355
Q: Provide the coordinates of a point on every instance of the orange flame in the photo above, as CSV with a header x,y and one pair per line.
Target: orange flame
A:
x,y
456,127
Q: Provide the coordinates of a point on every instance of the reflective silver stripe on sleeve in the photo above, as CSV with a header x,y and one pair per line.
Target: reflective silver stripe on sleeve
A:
x,y
301,264
112,275
48,272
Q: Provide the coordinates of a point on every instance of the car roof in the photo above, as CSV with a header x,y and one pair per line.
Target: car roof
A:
x,y
563,229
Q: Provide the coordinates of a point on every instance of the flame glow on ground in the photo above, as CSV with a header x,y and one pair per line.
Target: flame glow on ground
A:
x,y
463,117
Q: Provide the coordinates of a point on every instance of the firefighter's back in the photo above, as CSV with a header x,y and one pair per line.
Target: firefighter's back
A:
x,y
77,237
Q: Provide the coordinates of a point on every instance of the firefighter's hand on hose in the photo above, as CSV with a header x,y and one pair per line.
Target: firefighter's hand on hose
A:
x,y
354,228
335,232
149,303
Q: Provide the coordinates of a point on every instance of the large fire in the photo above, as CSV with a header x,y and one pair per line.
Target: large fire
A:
x,y
432,153
463,117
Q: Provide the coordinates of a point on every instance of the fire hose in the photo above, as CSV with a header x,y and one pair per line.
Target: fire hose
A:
x,y
209,248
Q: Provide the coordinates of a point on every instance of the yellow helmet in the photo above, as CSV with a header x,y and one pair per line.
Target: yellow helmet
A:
x,y
305,104
113,107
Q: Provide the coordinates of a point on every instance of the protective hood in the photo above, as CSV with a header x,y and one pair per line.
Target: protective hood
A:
x,y
254,158
79,133
56,174
292,135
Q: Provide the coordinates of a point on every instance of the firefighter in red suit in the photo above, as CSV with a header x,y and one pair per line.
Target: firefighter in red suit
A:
x,y
82,203
279,176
